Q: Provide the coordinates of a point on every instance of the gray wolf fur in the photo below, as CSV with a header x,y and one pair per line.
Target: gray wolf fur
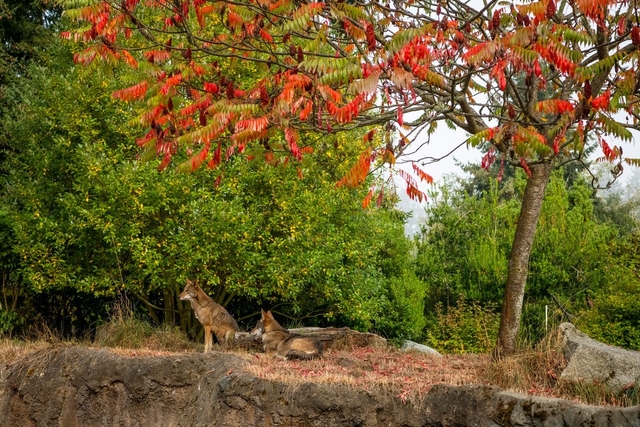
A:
x,y
215,319
278,342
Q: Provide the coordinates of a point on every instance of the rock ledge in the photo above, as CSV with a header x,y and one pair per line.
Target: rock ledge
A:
x,y
74,386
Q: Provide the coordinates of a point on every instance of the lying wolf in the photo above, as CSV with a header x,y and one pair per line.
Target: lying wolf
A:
x,y
213,316
279,343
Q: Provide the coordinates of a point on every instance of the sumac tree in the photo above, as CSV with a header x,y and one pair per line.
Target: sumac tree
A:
x,y
534,79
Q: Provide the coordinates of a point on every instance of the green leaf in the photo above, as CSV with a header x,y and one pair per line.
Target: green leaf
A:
x,y
602,66
614,128
401,38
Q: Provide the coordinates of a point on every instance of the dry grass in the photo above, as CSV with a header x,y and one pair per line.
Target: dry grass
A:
x,y
534,371
409,376
14,350
125,331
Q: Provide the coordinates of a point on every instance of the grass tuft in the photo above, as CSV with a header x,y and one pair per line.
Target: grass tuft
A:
x,y
12,350
599,394
533,371
124,330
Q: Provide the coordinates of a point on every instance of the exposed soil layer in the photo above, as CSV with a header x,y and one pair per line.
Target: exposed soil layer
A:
x,y
76,386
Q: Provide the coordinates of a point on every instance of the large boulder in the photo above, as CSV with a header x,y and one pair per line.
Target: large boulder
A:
x,y
593,362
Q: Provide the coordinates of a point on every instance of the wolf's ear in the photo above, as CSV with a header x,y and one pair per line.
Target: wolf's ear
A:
x,y
263,313
269,313
189,282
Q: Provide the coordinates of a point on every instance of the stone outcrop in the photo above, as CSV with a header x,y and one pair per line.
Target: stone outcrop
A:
x,y
591,361
331,338
74,386
414,346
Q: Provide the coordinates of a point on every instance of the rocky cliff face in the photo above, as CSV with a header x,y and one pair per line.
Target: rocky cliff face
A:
x,y
76,386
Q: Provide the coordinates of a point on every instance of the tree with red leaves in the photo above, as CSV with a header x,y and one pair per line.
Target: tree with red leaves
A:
x,y
535,80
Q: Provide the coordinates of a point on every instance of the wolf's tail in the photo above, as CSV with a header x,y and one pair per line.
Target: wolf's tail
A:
x,y
298,354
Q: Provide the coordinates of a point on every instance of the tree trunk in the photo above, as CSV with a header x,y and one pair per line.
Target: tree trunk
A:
x,y
519,259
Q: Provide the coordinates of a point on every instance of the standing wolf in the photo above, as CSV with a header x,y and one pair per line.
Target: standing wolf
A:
x,y
278,342
213,316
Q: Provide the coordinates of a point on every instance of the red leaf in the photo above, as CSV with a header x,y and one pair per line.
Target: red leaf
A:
x,y
358,172
602,102
400,116
211,87
488,159
498,73
266,36
348,112
306,111
556,144
380,197
130,60
196,161
422,175
622,23
291,136
199,16
635,35
156,56
165,161
215,160
367,199
369,136
525,166
554,106
610,153
235,20
415,194
536,68
134,92
254,125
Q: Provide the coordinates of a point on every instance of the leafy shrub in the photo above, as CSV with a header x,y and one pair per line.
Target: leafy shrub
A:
x,y
402,316
465,328
9,321
612,314
614,319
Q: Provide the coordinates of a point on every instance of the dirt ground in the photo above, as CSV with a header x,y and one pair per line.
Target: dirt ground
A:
x,y
81,386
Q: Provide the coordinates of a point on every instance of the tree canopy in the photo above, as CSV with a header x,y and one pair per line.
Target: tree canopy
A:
x,y
517,75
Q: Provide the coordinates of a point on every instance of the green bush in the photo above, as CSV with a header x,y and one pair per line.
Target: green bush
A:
x,y
9,321
614,318
585,262
466,327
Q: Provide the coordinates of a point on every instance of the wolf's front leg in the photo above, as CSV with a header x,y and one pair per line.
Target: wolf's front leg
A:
x,y
208,338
